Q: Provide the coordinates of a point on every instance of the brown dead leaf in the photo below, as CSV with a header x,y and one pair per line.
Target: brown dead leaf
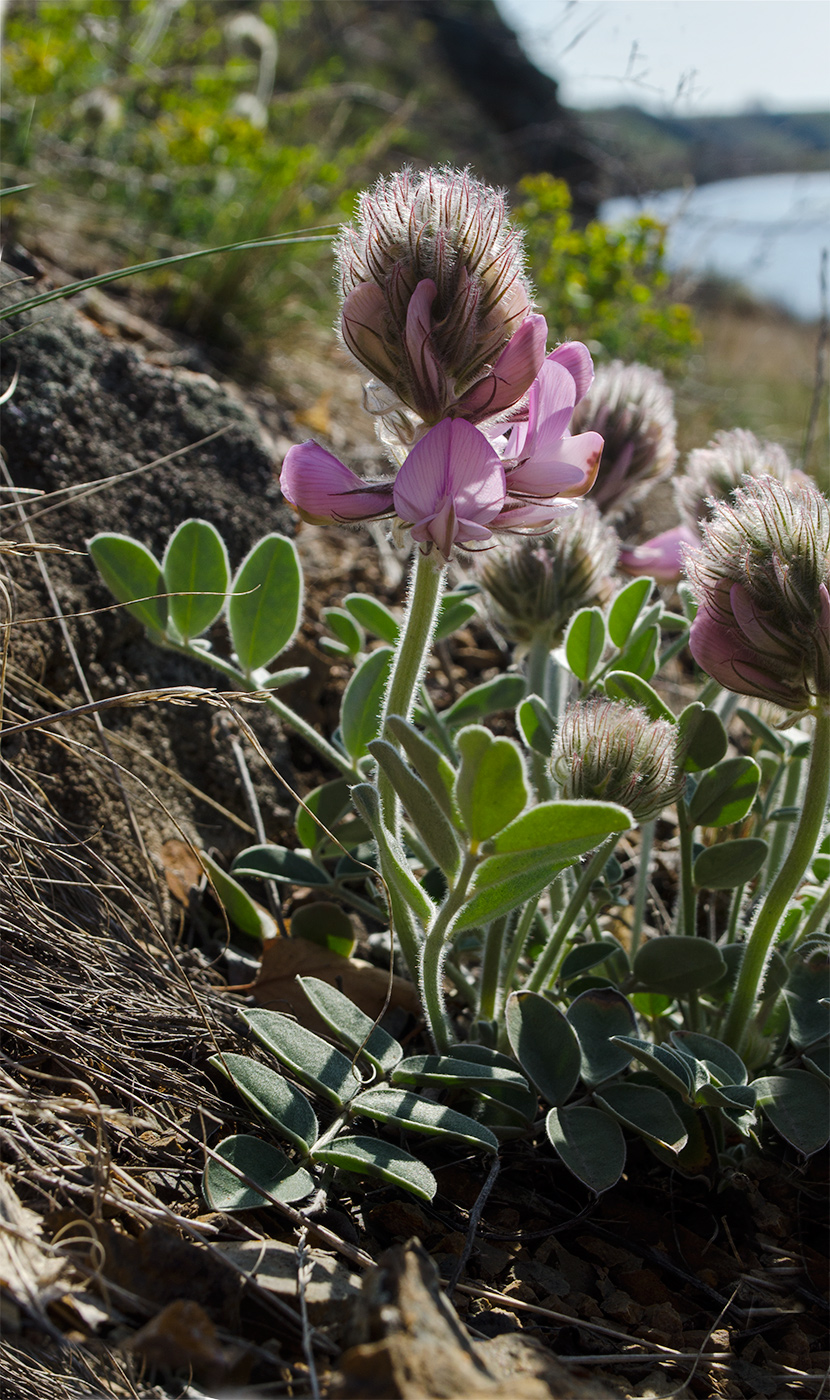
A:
x,y
182,868
285,959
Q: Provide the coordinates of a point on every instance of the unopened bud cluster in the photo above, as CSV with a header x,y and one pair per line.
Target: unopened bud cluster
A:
x,y
534,587
432,276
632,408
762,582
613,751
713,472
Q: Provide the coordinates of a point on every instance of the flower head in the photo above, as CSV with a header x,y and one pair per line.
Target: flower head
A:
x,y
762,581
631,407
713,472
458,485
436,304
661,557
535,586
613,751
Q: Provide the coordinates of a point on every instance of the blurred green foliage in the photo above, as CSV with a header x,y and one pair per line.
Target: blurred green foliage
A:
x,y
606,286
175,124
199,124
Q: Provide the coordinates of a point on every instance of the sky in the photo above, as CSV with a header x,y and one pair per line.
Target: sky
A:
x,y
689,57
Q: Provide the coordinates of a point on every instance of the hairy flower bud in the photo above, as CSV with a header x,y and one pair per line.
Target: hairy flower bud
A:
x,y
436,304
613,751
631,406
762,582
536,586
713,472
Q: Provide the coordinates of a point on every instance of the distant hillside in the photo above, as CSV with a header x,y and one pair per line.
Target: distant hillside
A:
x,y
638,151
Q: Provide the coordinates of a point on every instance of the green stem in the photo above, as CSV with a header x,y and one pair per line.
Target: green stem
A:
x,y
537,668
641,890
518,944
286,714
490,968
735,912
807,835
434,952
686,921
410,660
778,843
542,972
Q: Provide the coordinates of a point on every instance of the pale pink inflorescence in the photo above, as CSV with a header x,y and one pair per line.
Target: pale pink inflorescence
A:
x,y
436,305
762,582
713,472
632,407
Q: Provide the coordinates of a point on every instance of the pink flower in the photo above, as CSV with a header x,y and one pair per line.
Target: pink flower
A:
x,y
325,492
544,465
660,558
451,487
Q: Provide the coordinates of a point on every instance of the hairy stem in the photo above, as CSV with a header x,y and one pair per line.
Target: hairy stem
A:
x,y
786,883
641,890
408,666
543,971
433,954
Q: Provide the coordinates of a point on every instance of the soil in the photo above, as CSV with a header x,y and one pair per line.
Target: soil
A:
x,y
117,996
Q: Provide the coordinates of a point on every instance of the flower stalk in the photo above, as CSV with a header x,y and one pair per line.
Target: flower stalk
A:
x,y
807,835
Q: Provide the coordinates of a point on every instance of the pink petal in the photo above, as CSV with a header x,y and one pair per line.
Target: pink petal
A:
x,y
526,518
418,331
512,374
570,473
451,485
752,624
576,359
722,653
363,321
662,557
549,411
323,490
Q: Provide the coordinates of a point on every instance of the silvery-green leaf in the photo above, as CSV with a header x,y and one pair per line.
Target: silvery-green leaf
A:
x,y
345,629
590,1143
676,965
623,685
265,604
408,1110
445,1069
502,693
131,572
430,822
798,1107
646,1111
626,609
731,1067
729,864
429,763
725,793
314,1062
271,862
373,1157
491,788
372,615
597,1015
536,724
249,917
272,1096
363,701
453,614
263,1164
587,955
544,1043
672,1067
196,574
585,641
351,1025
701,738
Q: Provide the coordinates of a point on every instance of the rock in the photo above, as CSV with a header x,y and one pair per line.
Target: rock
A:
x,y
330,1291
408,1343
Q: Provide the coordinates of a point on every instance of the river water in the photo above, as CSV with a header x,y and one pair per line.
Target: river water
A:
x,y
765,231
